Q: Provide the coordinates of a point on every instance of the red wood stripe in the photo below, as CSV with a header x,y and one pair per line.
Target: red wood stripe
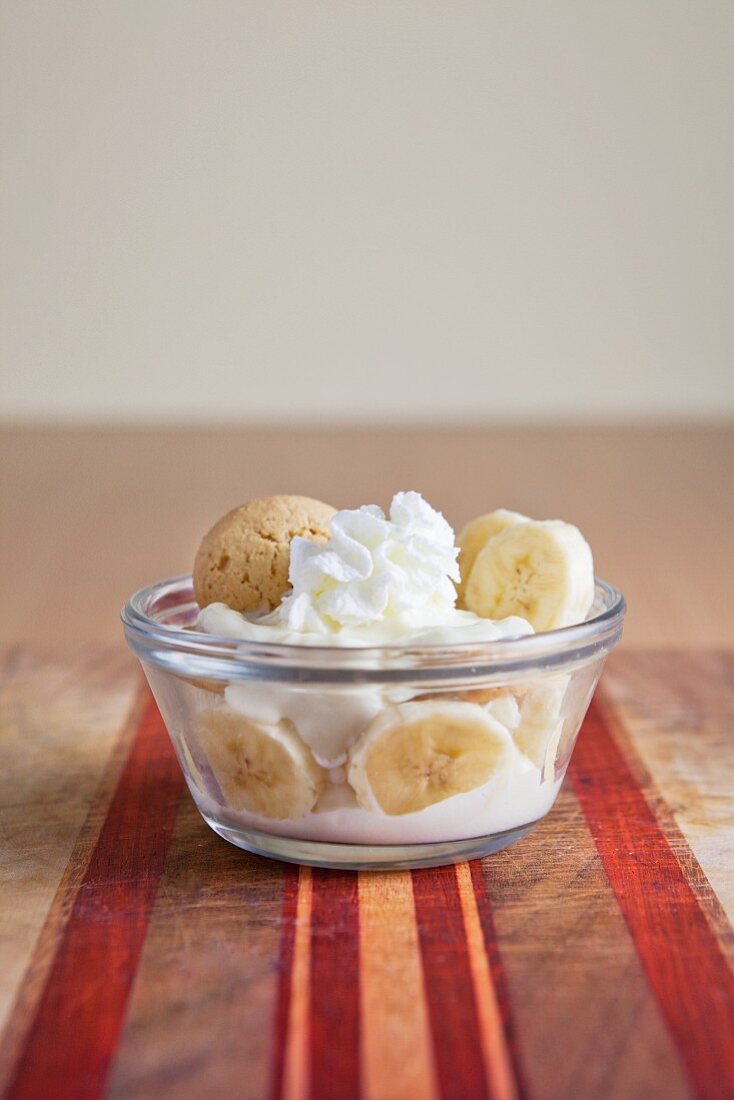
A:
x,y
72,1039
447,974
334,986
683,960
285,983
497,974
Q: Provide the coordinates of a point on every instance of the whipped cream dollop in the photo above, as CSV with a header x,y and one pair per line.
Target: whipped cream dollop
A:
x,y
378,580
374,569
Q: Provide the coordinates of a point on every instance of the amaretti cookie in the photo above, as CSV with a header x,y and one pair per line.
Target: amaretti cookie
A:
x,y
243,560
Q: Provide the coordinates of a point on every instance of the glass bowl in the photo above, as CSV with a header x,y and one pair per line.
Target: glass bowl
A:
x,y
273,739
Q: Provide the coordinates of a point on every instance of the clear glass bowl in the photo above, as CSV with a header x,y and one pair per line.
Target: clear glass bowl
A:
x,y
223,700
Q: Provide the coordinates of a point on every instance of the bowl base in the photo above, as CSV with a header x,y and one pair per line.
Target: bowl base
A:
x,y
367,857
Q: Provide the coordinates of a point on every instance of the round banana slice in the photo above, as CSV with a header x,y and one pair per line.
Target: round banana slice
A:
x,y
541,571
417,754
540,725
506,709
475,536
264,769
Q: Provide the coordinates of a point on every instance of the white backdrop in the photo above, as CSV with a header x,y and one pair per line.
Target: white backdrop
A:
x,y
392,209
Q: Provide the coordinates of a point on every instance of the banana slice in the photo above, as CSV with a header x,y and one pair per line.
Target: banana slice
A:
x,y
541,571
540,726
264,769
575,704
417,754
475,536
214,687
506,709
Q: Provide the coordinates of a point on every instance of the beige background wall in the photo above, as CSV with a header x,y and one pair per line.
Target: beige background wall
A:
x,y
264,209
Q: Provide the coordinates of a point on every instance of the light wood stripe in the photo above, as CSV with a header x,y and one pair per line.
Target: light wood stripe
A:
x,y
683,960
586,1020
198,1021
200,1015
77,1023
500,1077
672,706
296,1076
397,1059
66,723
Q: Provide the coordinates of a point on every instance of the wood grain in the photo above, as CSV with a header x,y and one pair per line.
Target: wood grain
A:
x,y
502,1083
66,721
397,1056
592,959
74,1031
675,704
202,1010
296,1057
450,992
675,941
89,515
587,1024
334,1010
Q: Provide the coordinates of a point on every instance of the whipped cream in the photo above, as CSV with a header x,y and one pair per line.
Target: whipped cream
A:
x,y
329,721
378,580
374,569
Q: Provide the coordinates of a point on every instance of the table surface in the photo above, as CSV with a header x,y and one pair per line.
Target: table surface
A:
x,y
89,515
143,957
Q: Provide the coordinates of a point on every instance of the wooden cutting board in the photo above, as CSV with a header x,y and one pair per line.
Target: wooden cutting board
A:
x,y
143,957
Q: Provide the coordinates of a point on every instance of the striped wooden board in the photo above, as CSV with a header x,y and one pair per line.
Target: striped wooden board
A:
x,y
143,957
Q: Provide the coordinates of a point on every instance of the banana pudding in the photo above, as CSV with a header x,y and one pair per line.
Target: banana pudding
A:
x,y
388,765
351,688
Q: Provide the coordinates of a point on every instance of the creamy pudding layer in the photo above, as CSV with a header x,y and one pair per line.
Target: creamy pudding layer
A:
x,y
338,818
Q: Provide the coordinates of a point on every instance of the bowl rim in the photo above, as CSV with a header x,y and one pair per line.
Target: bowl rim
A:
x,y
144,633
